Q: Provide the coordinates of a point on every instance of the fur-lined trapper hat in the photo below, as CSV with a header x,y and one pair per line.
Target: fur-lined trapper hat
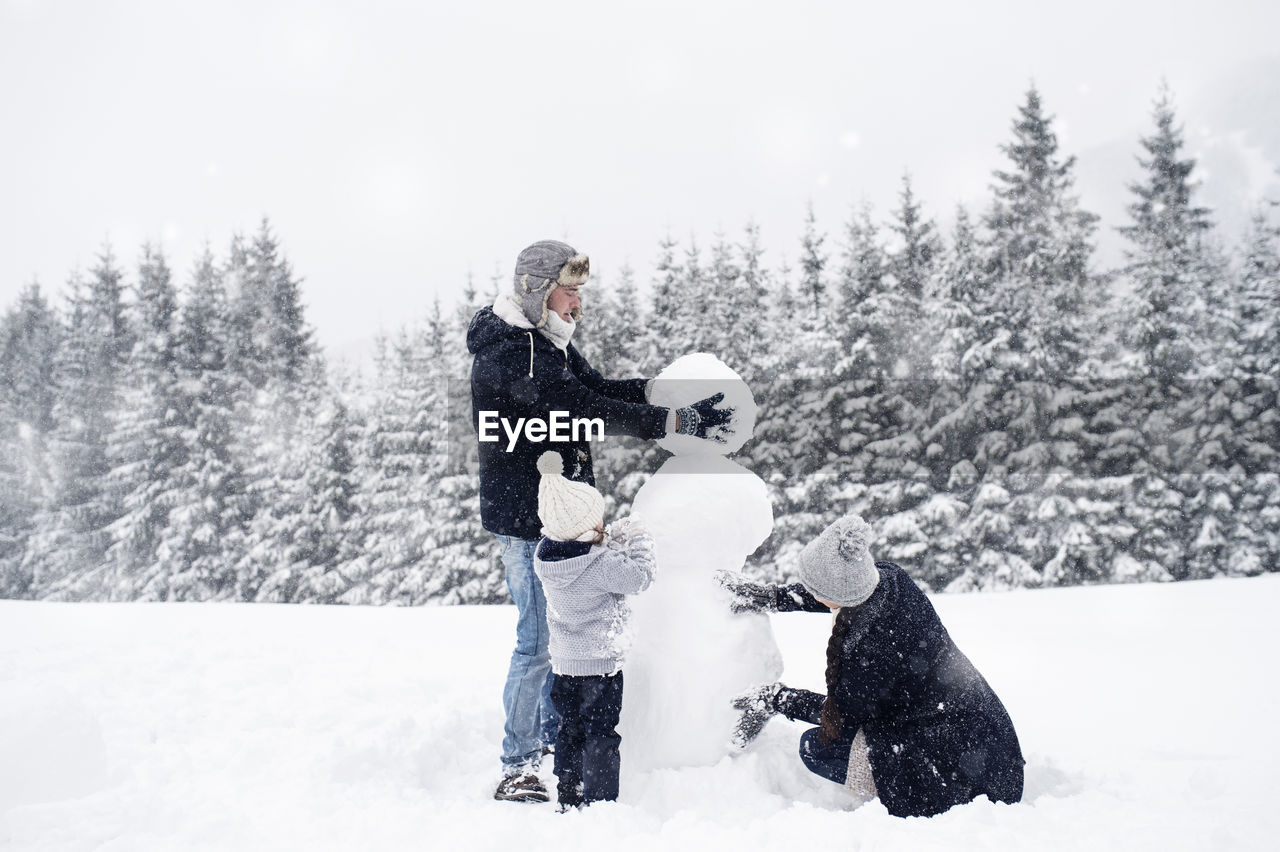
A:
x,y
837,565
541,268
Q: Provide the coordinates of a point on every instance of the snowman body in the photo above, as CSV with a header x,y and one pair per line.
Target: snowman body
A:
x,y
690,655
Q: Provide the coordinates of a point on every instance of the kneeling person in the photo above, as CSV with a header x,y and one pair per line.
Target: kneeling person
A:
x,y
907,717
586,574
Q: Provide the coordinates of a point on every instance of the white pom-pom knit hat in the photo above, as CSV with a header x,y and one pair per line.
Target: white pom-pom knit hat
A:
x,y
568,510
837,566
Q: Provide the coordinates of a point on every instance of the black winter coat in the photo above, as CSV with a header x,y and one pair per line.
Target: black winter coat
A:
x,y
937,734
519,373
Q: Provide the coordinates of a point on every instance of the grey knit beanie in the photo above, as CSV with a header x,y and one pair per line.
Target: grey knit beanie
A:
x,y
541,268
837,565
566,508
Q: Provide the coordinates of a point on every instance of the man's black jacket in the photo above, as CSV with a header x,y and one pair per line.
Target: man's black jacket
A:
x,y
518,373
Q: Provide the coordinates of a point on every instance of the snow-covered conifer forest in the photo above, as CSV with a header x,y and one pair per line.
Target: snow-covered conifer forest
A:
x,y
1006,412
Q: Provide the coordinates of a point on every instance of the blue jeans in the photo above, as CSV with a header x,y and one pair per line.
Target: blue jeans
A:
x,y
531,719
831,762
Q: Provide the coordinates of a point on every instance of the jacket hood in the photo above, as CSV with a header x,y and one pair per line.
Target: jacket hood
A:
x,y
559,573
487,328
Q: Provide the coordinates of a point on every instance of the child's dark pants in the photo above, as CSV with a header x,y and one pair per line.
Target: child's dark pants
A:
x,y
587,758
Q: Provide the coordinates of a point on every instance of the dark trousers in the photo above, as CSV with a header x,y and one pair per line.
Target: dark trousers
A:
x,y
831,762
587,760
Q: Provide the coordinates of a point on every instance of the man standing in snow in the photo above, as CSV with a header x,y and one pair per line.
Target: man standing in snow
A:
x,y
525,367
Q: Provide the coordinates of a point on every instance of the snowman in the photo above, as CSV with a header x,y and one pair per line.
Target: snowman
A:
x,y
690,655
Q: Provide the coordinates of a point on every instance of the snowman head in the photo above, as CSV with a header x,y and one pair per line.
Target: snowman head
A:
x,y
697,376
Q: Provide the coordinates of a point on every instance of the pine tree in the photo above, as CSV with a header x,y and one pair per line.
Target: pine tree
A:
x,y
913,263
328,540
1259,433
30,336
1038,231
71,536
147,442
272,341
461,539
789,304
912,267
625,355
722,286
499,284
868,407
304,536
813,262
290,337
747,305
1166,259
1027,367
1259,298
677,308
668,298
108,314
770,452
990,533
694,324
400,475
459,564
953,316
1255,305
954,296
286,379
849,410
245,303
1234,418
1178,328
619,350
591,332
801,393
864,323
206,497
1039,251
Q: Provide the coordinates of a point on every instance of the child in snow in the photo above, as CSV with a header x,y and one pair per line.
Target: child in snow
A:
x,y
906,716
586,573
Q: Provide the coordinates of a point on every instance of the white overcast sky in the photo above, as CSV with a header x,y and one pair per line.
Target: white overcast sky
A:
x,y
398,147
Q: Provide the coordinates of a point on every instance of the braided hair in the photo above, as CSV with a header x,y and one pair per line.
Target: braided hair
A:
x,y
829,720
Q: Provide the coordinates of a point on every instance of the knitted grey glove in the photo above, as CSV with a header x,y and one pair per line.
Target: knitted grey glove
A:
x,y
747,595
703,420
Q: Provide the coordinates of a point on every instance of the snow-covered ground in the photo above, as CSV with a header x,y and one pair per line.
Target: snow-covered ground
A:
x,y
1149,715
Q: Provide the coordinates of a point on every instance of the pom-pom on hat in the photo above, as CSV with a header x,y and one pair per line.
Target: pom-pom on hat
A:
x,y
837,565
541,268
566,508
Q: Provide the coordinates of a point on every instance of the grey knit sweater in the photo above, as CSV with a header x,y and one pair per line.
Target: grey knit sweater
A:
x,y
586,587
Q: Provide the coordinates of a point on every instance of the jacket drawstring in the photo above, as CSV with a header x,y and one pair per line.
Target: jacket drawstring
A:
x,y
566,355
